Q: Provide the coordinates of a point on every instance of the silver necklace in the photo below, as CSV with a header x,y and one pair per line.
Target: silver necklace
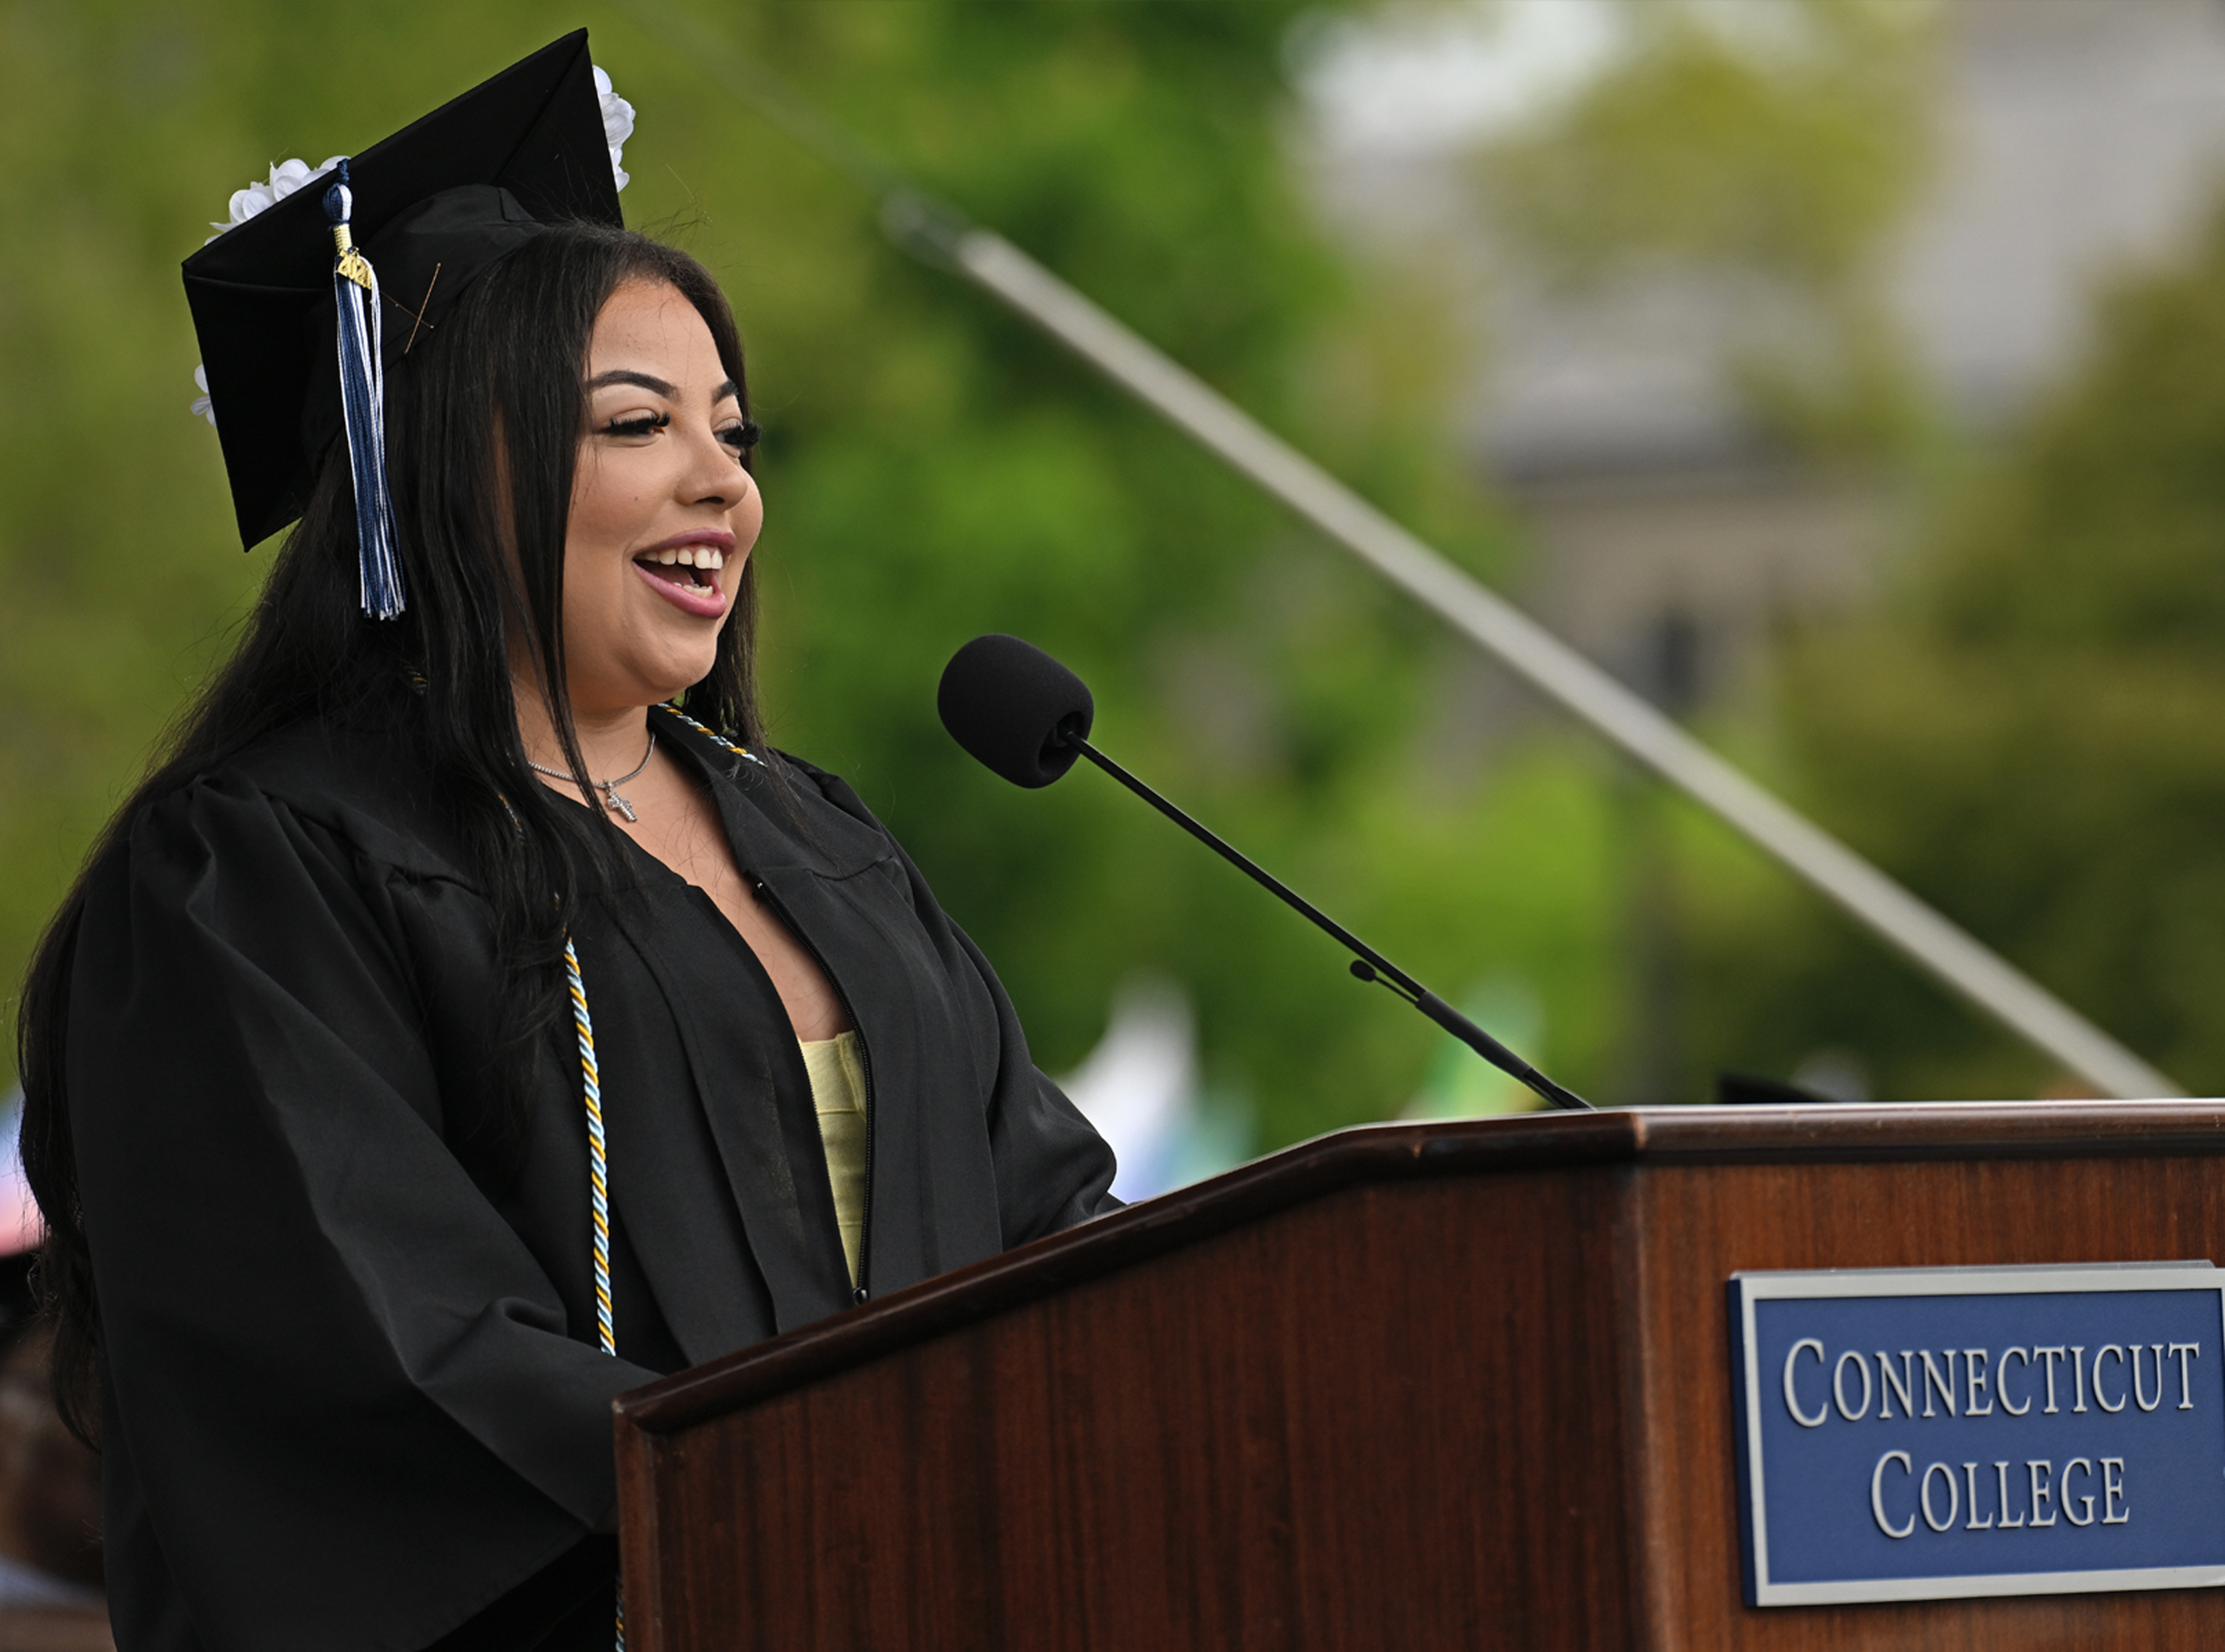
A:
x,y
609,789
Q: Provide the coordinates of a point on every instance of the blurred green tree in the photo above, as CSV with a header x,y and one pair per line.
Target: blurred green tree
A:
x,y
2032,736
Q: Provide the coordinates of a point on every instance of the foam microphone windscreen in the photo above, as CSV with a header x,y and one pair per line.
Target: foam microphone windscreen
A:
x,y
1014,708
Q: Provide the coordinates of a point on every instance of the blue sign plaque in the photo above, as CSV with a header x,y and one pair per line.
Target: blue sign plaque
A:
x,y
1921,1434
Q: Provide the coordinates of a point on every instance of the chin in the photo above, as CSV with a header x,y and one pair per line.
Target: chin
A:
x,y
673,670
667,685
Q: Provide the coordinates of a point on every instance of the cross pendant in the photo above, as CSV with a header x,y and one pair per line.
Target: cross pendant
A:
x,y
612,800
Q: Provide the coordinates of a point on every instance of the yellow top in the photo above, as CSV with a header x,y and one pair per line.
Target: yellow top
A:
x,y
837,1096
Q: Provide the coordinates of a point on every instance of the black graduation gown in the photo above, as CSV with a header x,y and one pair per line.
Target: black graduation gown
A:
x,y
352,1399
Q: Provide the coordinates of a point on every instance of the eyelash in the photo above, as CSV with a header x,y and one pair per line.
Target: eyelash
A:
x,y
741,437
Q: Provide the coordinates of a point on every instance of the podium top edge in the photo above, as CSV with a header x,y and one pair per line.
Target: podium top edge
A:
x,y
1650,1138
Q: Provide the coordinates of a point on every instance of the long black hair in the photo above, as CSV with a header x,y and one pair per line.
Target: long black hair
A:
x,y
484,418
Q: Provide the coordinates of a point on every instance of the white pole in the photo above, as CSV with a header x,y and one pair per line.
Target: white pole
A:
x,y
1971,969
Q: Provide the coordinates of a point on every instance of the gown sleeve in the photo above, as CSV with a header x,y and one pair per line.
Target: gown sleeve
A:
x,y
345,1410
1053,1169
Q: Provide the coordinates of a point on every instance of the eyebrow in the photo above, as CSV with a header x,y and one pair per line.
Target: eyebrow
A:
x,y
624,375
658,387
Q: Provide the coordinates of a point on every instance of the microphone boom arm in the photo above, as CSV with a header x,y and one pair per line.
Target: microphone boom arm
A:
x,y
1367,963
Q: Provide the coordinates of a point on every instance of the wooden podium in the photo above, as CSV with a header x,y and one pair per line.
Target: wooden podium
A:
x,y
1422,1386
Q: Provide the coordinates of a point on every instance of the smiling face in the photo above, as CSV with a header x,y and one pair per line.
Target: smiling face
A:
x,y
664,515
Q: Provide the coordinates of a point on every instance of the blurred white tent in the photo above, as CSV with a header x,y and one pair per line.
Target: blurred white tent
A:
x,y
1140,1088
19,1211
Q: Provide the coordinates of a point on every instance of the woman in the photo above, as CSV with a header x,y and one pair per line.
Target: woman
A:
x,y
310,1109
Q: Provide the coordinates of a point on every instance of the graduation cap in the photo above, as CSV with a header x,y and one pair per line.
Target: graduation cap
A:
x,y
302,308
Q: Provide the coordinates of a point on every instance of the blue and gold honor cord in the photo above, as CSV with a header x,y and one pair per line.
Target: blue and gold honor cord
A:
x,y
710,733
598,1167
598,1175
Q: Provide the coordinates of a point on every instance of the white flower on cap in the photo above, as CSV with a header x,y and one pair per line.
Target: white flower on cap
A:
x,y
285,177
618,123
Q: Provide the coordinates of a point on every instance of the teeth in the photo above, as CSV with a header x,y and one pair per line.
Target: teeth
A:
x,y
706,557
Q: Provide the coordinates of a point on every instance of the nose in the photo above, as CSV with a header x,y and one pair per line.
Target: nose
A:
x,y
714,474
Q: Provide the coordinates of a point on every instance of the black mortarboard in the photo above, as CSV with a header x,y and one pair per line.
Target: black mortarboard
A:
x,y
448,193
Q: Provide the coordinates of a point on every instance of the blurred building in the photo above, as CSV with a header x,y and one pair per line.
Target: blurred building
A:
x,y
2080,139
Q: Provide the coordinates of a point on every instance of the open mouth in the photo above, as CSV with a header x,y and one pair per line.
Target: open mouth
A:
x,y
686,576
688,567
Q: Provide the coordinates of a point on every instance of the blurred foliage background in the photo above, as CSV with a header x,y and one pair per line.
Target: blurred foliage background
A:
x,y
2027,724
2030,731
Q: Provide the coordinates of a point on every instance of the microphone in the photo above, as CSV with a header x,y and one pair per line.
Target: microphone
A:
x,y
1025,716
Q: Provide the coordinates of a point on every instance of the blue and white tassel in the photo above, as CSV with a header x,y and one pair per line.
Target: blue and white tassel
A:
x,y
362,399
